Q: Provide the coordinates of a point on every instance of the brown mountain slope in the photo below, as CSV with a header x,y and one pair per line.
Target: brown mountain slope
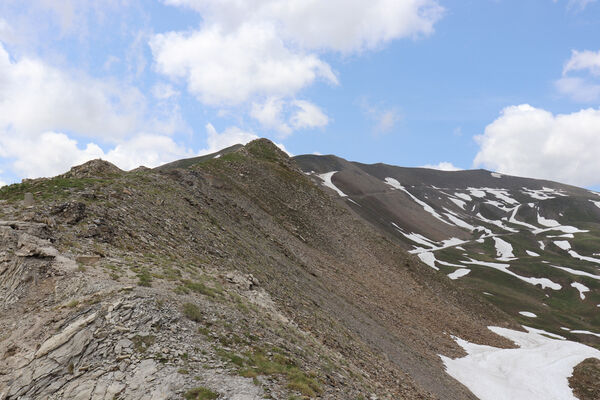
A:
x,y
236,275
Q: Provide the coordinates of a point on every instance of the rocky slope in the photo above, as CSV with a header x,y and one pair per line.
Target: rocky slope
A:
x,y
232,277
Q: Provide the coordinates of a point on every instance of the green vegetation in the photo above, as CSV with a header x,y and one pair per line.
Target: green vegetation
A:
x,y
141,343
144,278
200,393
46,188
273,363
192,312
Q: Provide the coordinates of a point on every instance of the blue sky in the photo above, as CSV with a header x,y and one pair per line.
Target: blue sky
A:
x,y
511,86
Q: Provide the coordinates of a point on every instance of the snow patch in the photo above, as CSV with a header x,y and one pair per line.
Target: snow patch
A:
x,y
532,253
504,250
326,177
429,259
466,197
527,314
396,185
459,203
459,273
577,272
586,332
538,370
544,282
581,288
496,175
563,244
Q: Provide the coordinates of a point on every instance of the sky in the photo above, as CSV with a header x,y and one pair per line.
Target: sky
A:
x,y
509,86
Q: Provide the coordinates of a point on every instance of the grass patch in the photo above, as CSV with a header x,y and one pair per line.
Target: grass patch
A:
x,y
144,278
192,311
200,393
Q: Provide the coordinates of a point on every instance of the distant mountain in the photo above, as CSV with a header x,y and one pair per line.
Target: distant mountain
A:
x,y
531,246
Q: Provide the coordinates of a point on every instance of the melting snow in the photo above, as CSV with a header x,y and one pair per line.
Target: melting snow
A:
x,y
504,250
496,222
539,194
459,203
574,254
513,219
578,272
547,222
429,259
528,314
416,237
538,370
396,185
542,245
581,288
459,273
563,244
326,177
544,282
496,175
476,192
532,253
466,197
586,332
597,203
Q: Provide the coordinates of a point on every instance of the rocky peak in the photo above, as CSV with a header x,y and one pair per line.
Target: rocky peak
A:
x,y
93,169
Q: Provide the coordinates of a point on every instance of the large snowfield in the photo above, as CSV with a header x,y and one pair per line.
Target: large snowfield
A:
x,y
538,370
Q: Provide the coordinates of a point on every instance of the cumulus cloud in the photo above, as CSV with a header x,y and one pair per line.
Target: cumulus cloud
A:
x,y
269,115
442,166
338,25
583,60
230,67
230,136
42,108
36,97
286,116
262,53
533,142
53,153
308,115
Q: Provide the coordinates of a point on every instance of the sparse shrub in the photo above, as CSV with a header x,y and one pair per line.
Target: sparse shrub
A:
x,y
144,278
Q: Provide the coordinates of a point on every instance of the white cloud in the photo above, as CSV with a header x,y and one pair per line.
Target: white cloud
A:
x,y
233,135
148,150
584,88
338,25
269,114
231,67
578,89
442,166
217,141
36,97
583,60
308,115
53,153
533,142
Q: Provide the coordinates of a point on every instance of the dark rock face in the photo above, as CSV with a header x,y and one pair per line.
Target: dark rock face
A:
x,y
585,380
